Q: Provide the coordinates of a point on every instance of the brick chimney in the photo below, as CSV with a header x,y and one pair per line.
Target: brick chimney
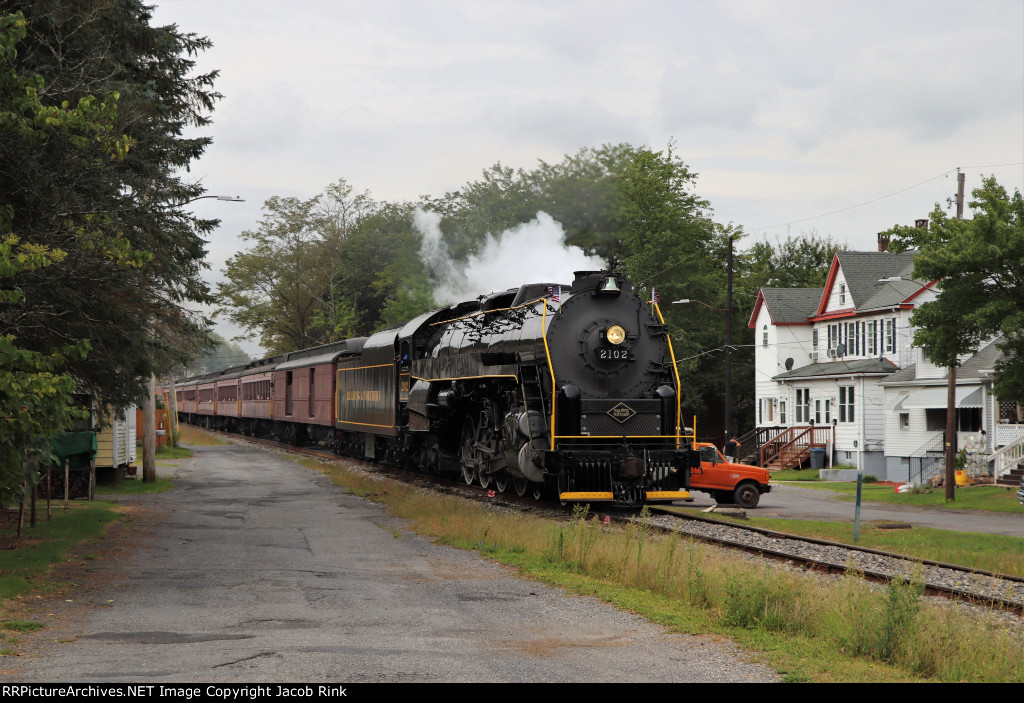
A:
x,y
921,224
883,241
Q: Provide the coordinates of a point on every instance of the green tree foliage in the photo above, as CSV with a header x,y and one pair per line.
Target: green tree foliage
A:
x,y
583,192
35,390
385,281
95,102
980,265
273,287
96,258
802,261
503,198
676,247
221,354
335,266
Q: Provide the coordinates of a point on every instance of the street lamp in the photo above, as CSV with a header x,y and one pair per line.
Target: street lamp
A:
x,y
225,198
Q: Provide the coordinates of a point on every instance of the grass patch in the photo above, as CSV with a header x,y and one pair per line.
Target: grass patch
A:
x,y
1000,499
807,629
168,452
21,625
975,550
50,542
135,486
795,475
197,437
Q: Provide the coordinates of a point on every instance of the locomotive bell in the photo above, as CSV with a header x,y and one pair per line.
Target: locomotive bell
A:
x,y
609,286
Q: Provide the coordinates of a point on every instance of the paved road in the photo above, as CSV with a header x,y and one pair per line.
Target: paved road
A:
x,y
799,503
256,569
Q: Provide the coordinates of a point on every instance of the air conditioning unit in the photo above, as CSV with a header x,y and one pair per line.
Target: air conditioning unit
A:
x,y
832,353
814,356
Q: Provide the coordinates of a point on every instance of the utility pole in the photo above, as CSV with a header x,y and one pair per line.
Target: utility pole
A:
x,y
951,385
728,352
149,432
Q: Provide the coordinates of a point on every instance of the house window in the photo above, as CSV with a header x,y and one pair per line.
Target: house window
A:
x,y
845,403
872,330
803,405
852,334
935,419
817,411
764,337
814,339
842,293
782,412
968,419
904,421
890,335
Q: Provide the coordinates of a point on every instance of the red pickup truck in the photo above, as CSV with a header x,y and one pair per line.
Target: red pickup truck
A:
x,y
738,484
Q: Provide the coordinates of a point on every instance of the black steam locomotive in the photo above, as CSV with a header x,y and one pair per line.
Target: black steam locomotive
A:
x,y
572,391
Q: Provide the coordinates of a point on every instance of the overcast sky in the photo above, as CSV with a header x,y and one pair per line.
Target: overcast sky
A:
x,y
787,110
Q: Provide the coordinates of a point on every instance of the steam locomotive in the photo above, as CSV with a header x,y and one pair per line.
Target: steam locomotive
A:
x,y
572,392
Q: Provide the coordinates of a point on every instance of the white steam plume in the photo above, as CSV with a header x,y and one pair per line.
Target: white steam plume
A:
x,y
534,252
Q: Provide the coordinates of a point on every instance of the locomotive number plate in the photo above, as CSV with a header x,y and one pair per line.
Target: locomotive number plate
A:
x,y
612,353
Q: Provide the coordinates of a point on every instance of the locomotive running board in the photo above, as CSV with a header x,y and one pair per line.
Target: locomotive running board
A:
x,y
668,495
609,496
587,495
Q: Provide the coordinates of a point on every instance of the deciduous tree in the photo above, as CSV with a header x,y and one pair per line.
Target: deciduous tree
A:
x,y
980,265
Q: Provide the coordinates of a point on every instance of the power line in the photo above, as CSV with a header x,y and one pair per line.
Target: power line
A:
x,y
852,207
881,197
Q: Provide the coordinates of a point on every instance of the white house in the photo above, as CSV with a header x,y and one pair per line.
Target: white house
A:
x,y
843,356
915,418
826,366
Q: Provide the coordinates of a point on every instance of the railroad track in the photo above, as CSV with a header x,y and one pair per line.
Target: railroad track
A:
x,y
1001,591
998,591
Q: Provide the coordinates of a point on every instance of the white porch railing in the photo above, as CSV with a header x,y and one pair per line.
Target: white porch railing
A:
x,y
1007,458
1007,434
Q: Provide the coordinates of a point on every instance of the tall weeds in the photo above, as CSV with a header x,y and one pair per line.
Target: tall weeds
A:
x,y
847,617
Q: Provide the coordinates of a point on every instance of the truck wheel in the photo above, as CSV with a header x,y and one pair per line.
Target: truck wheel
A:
x,y
746,495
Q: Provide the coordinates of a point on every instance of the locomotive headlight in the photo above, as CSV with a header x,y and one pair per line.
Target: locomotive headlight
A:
x,y
615,334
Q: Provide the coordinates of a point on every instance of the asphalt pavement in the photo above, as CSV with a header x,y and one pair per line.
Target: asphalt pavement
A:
x,y
256,569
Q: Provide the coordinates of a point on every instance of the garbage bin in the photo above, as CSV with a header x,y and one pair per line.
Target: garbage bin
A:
x,y
817,458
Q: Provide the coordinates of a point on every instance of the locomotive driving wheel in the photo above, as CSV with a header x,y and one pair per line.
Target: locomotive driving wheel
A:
x,y
468,452
484,439
520,484
501,482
